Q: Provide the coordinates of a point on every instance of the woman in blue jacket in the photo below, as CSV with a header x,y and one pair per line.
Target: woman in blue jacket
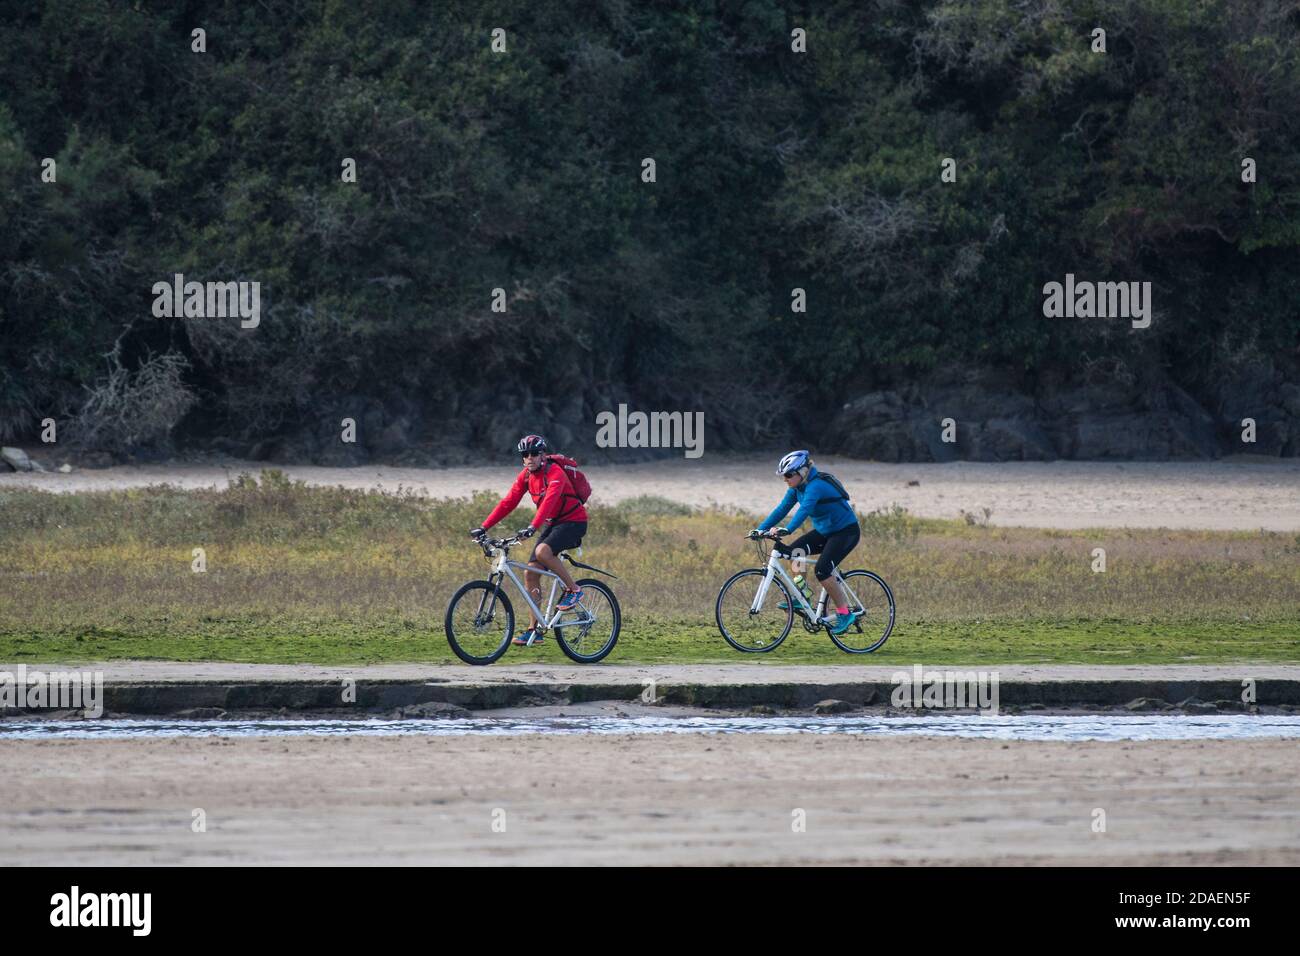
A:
x,y
835,527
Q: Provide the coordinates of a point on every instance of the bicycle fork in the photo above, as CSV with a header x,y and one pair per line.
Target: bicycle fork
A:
x,y
487,604
797,597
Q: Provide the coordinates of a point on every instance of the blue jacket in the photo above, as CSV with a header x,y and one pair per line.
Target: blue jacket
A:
x,y
817,499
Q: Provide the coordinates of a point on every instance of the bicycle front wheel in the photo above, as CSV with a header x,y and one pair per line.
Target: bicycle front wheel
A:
x,y
747,625
593,630
874,601
480,622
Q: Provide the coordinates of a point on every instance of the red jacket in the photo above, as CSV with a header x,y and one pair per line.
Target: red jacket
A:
x,y
551,491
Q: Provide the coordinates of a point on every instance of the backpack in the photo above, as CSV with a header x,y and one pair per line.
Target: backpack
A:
x,y
581,486
836,484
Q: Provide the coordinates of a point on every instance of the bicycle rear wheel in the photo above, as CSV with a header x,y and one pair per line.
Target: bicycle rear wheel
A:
x,y
875,602
480,622
601,619
755,631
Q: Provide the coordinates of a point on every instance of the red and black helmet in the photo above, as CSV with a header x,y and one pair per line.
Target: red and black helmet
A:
x,y
531,443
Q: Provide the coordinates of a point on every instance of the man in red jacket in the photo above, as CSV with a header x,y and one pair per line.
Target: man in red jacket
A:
x,y
560,517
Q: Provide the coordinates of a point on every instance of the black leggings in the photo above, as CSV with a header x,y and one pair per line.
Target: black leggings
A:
x,y
833,548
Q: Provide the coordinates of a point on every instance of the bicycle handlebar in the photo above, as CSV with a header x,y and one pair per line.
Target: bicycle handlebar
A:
x,y
491,544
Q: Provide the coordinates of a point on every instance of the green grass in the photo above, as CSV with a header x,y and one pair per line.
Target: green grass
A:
x,y
331,641
330,575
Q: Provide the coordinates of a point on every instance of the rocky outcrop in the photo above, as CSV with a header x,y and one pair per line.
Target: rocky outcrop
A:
x,y
998,416
16,459
1259,392
997,419
19,460
479,420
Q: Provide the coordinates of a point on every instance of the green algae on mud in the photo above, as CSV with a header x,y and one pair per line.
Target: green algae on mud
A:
x,y
327,641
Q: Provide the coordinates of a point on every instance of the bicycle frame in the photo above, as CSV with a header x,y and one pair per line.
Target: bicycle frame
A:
x,y
775,569
502,567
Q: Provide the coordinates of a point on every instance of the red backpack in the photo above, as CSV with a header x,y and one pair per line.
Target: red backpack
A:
x,y
581,486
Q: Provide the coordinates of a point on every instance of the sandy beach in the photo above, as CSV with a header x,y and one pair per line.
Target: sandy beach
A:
x,y
1244,494
665,800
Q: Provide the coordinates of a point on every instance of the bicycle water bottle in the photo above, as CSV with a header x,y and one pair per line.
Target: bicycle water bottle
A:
x,y
802,584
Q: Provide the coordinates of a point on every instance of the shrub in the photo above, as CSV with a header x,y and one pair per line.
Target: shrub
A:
x,y
125,410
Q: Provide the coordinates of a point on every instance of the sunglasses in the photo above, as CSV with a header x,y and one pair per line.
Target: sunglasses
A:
x,y
790,474
532,454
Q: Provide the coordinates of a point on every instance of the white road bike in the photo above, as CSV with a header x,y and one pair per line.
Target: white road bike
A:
x,y
756,607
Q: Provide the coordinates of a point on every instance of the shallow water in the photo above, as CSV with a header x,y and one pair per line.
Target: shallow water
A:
x,y
1003,727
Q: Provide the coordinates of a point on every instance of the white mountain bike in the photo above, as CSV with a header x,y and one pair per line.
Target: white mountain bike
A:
x,y
756,607
481,621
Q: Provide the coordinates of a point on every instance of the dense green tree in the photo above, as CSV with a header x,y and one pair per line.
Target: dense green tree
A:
x,y
522,170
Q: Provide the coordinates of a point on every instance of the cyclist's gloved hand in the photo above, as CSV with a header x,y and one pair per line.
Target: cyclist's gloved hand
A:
x,y
478,534
525,533
754,533
779,532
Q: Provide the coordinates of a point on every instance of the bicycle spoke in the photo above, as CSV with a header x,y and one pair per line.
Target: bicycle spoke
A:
x,y
747,627
875,603
479,623
591,635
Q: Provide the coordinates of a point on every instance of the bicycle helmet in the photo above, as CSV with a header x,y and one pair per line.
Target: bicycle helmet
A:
x,y
793,462
531,443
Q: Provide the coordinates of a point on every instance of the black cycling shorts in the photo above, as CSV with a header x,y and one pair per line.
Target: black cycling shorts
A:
x,y
833,548
561,536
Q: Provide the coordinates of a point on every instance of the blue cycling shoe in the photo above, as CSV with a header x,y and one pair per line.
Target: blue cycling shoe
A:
x,y
844,623
570,600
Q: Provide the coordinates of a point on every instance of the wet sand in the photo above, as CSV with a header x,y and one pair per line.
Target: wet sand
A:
x,y
667,800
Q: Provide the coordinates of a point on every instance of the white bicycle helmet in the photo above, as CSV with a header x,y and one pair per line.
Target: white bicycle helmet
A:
x,y
793,462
